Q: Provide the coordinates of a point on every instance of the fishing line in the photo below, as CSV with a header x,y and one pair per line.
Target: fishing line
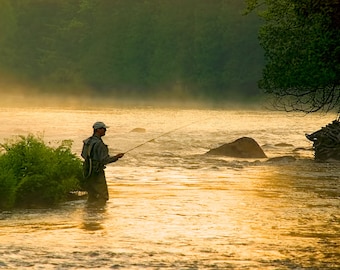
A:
x,y
163,134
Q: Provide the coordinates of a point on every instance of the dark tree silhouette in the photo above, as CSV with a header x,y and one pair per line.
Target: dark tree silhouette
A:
x,y
301,39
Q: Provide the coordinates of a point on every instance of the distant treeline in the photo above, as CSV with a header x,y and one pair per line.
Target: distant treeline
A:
x,y
144,47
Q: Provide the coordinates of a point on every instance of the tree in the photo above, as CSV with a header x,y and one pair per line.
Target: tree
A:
x,y
302,49
7,28
145,48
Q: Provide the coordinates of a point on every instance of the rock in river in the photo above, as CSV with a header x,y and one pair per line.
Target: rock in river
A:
x,y
244,147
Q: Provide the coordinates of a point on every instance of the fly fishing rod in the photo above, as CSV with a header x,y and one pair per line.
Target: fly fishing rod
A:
x,y
163,134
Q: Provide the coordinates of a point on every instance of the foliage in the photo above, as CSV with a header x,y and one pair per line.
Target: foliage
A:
x,y
301,40
34,174
7,187
206,48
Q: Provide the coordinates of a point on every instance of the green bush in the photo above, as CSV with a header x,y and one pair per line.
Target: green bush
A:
x,y
7,188
34,174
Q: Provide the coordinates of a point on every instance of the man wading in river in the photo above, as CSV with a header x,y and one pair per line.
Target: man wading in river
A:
x,y
96,156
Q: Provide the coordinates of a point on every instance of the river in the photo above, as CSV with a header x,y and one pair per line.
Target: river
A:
x,y
173,207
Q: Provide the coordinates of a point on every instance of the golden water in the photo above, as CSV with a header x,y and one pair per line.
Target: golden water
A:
x,y
171,206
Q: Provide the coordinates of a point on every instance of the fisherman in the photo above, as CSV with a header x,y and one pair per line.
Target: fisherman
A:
x,y
96,156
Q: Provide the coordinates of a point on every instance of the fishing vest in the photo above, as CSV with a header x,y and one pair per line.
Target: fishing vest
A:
x,y
89,165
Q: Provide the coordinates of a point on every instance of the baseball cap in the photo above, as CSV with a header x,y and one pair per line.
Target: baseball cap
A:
x,y
98,125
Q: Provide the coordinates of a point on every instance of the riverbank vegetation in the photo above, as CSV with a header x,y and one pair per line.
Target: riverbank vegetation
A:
x,y
33,174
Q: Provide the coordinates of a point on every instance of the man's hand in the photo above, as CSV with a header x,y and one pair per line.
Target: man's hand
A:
x,y
120,155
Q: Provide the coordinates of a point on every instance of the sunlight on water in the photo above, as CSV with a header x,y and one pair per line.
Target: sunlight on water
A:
x,y
172,207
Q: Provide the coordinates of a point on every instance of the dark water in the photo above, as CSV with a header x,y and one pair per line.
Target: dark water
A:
x,y
172,207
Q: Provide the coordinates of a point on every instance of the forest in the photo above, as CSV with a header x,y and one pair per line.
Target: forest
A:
x,y
199,49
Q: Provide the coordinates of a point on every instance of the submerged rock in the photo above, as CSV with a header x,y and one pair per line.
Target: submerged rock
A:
x,y
284,145
282,159
139,130
244,147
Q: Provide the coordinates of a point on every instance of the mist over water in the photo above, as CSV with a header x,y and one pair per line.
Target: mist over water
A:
x,y
173,207
86,99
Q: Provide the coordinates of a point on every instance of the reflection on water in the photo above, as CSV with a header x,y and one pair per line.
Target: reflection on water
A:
x,y
172,207
93,218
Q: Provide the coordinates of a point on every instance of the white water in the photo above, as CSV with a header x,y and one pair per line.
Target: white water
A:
x,y
171,206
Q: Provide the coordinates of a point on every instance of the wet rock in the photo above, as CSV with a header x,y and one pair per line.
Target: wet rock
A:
x,y
244,147
76,195
268,146
139,130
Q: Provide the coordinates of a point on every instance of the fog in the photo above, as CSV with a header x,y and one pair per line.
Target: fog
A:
x,y
19,96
